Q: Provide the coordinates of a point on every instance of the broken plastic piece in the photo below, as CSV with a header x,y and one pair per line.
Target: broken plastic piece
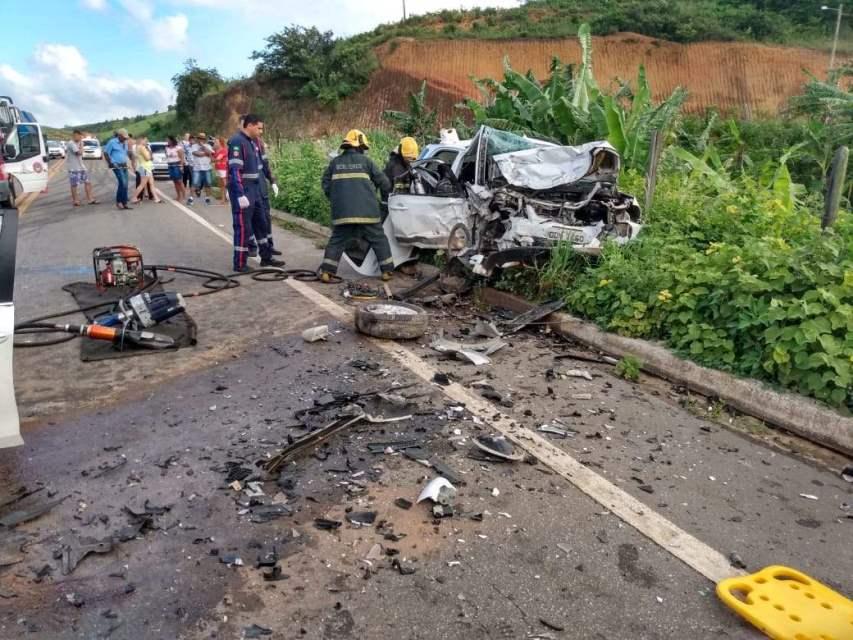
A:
x,y
403,503
534,315
579,373
73,553
563,433
847,473
231,560
439,490
362,517
498,446
256,631
317,333
327,525
14,518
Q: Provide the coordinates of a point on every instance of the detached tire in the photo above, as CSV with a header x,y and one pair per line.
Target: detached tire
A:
x,y
391,320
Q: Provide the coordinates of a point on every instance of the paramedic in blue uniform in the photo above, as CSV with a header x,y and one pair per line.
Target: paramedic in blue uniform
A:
x,y
267,175
244,175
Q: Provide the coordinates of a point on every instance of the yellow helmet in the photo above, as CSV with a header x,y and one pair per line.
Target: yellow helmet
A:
x,y
409,148
355,138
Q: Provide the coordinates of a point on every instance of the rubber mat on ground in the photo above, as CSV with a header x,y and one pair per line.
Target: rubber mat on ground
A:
x,y
789,605
181,328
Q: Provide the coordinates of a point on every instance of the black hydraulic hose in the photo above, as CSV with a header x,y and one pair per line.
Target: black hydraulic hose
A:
x,y
213,283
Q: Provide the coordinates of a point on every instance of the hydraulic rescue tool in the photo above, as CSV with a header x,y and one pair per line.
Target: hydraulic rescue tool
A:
x,y
117,335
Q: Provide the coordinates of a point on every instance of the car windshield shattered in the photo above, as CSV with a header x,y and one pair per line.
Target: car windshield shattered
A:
x,y
507,199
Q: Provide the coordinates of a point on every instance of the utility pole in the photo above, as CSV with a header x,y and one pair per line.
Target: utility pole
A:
x,y
840,13
404,11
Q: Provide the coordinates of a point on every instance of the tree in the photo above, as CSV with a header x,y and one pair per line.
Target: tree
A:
x,y
322,66
191,84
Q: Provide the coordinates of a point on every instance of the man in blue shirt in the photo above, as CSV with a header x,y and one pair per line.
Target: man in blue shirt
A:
x,y
115,154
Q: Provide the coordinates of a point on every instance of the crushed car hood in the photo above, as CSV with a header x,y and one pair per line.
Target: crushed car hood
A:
x,y
550,167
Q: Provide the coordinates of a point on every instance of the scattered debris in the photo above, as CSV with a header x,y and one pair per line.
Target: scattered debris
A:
x,y
74,599
736,561
489,393
534,315
847,473
403,503
404,570
439,490
269,512
21,515
442,379
557,431
809,496
325,524
498,446
231,560
315,334
73,553
486,329
362,518
495,492
578,373
256,631
474,352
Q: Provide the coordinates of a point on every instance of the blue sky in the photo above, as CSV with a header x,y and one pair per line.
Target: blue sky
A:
x,y
77,61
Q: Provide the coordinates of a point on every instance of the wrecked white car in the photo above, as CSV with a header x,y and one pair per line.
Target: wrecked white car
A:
x,y
503,199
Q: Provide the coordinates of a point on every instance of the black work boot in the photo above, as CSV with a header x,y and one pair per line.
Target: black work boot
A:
x,y
272,262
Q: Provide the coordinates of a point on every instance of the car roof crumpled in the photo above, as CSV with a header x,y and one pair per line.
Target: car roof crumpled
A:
x,y
550,167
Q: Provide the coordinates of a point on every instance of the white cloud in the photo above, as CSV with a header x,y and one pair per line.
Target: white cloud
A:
x,y
95,5
168,33
59,89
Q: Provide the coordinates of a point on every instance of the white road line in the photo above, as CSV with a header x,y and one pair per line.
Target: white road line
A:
x,y
192,214
693,552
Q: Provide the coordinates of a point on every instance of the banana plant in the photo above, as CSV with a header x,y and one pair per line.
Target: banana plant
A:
x,y
571,108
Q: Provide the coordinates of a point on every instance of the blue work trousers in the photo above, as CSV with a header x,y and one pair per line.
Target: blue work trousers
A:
x,y
121,187
248,223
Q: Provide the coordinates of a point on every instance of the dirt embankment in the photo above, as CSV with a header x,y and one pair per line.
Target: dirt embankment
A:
x,y
744,79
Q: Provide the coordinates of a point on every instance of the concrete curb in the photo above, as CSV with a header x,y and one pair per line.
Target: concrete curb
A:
x,y
306,225
796,414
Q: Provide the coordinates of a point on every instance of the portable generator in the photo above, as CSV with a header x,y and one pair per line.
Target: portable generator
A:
x,y
118,266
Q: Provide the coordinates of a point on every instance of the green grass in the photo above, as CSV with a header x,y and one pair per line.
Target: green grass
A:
x,y
152,125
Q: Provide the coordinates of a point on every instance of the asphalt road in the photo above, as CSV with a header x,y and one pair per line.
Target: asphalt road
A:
x,y
535,559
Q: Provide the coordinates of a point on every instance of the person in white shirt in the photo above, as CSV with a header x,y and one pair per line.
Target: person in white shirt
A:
x,y
201,154
77,173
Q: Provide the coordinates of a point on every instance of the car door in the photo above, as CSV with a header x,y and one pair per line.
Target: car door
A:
x,y
10,430
25,158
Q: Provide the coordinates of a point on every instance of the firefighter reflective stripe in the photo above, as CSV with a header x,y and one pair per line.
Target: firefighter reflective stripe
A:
x,y
330,262
356,221
251,176
236,248
350,176
389,260
236,161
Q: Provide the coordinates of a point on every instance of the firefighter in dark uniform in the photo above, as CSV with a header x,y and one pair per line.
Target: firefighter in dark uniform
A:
x,y
397,169
244,174
267,175
350,182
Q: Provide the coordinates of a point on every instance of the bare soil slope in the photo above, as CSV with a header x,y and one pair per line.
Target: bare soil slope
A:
x,y
745,79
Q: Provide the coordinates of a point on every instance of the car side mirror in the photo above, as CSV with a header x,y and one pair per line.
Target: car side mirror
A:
x,y
10,152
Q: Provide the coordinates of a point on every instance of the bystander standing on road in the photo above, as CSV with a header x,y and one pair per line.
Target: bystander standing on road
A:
x,y
144,169
77,173
220,164
175,161
201,154
187,171
117,159
132,151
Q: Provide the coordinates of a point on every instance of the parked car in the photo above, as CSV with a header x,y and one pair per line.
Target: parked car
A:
x,y
158,156
55,149
502,199
92,149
